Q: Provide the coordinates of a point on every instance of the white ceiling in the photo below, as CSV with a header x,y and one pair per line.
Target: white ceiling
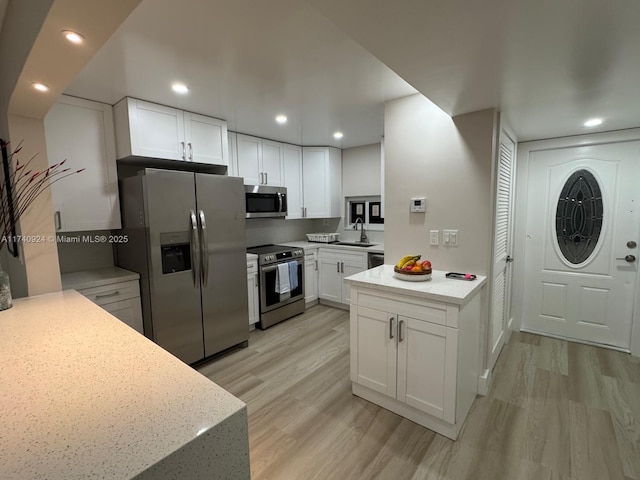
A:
x,y
547,65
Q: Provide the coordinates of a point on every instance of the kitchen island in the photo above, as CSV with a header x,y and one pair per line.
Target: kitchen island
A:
x,y
415,345
85,396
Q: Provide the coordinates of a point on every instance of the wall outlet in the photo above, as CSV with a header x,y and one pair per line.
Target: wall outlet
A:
x,y
434,237
450,238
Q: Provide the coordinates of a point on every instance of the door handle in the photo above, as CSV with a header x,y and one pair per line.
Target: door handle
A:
x,y
627,258
184,151
57,217
204,249
400,330
195,260
391,327
338,267
509,259
190,152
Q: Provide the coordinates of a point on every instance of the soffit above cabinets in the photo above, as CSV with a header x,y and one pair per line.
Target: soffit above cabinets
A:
x,y
246,61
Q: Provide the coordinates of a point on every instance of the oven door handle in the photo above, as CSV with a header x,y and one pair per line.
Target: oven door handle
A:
x,y
271,268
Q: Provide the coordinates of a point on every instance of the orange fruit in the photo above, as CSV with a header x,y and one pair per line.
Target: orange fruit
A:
x,y
417,268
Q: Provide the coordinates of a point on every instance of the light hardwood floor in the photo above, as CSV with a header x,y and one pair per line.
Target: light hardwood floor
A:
x,y
555,410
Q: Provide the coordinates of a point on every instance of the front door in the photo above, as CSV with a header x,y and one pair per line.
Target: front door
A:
x,y
583,222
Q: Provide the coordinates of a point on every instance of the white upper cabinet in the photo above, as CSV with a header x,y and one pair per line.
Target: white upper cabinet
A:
x,y
322,181
233,155
81,132
148,130
206,139
260,161
292,165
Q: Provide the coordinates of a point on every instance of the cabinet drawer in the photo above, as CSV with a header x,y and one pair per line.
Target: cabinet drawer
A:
x,y
310,254
112,292
344,256
128,311
252,267
409,307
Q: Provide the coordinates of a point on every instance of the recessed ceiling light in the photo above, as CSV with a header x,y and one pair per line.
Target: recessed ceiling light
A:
x,y
180,88
41,87
593,122
338,135
73,37
281,119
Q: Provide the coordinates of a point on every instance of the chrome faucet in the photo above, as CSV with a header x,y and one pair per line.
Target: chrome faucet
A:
x,y
363,236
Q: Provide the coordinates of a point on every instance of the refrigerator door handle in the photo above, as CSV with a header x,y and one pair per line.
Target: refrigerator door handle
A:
x,y
204,248
193,240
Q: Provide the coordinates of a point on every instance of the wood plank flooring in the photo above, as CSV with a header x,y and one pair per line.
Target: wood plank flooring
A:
x,y
555,410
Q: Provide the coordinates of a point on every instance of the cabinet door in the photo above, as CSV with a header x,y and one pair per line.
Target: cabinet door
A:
x,y
422,369
272,153
233,155
330,280
156,131
349,268
206,139
249,159
292,165
82,132
376,354
253,298
311,280
128,311
316,199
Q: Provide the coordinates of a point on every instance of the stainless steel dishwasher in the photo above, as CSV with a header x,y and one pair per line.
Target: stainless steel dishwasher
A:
x,y
375,259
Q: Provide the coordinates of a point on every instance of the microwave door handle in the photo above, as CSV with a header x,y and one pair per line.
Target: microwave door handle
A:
x,y
279,202
204,249
193,242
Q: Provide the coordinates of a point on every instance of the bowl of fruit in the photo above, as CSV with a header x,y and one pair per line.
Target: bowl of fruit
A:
x,y
411,269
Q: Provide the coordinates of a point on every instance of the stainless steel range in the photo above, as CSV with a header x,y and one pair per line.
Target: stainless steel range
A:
x,y
280,268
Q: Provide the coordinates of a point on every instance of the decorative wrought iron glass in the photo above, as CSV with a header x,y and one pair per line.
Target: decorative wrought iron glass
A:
x,y
579,216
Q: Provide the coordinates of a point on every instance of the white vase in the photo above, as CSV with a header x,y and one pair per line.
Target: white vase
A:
x,y
5,291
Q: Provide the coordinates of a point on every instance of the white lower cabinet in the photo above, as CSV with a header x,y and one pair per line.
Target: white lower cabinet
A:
x,y
311,269
120,299
334,266
253,291
414,357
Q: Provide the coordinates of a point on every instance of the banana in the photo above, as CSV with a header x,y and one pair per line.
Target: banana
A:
x,y
404,261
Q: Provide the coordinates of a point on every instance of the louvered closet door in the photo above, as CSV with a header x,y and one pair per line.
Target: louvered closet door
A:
x,y
501,273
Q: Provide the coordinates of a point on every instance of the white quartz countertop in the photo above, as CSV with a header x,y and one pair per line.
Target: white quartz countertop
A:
x,y
377,248
82,395
96,278
439,288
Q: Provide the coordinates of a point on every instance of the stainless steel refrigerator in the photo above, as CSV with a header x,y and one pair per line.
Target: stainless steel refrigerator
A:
x,y
186,239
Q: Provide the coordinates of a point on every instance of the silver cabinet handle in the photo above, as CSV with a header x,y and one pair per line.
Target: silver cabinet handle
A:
x,y
400,330
261,178
204,249
305,211
338,267
256,277
342,267
184,151
266,178
57,218
195,261
190,152
391,327
302,211
316,265
627,258
110,294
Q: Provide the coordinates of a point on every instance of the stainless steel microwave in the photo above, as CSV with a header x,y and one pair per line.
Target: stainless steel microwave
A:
x,y
265,201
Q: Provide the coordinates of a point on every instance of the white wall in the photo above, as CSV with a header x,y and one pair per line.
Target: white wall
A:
x,y
448,161
361,171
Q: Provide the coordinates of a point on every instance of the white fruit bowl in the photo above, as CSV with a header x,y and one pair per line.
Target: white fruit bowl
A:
x,y
411,276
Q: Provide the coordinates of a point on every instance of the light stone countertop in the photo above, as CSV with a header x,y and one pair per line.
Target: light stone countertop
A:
x,y
439,288
96,278
82,395
377,248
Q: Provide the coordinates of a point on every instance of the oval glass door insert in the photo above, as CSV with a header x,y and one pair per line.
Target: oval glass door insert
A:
x,y
579,217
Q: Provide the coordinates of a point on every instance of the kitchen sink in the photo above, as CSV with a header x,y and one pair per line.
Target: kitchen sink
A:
x,y
356,244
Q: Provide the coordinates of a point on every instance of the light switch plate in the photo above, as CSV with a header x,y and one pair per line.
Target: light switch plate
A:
x,y
451,237
434,237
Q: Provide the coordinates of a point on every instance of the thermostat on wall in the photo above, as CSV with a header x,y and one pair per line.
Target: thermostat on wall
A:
x,y
418,205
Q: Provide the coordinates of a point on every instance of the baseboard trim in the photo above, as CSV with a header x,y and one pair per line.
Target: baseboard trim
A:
x,y
484,381
331,303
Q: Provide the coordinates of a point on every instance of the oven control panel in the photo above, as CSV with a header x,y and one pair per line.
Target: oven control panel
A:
x,y
281,256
